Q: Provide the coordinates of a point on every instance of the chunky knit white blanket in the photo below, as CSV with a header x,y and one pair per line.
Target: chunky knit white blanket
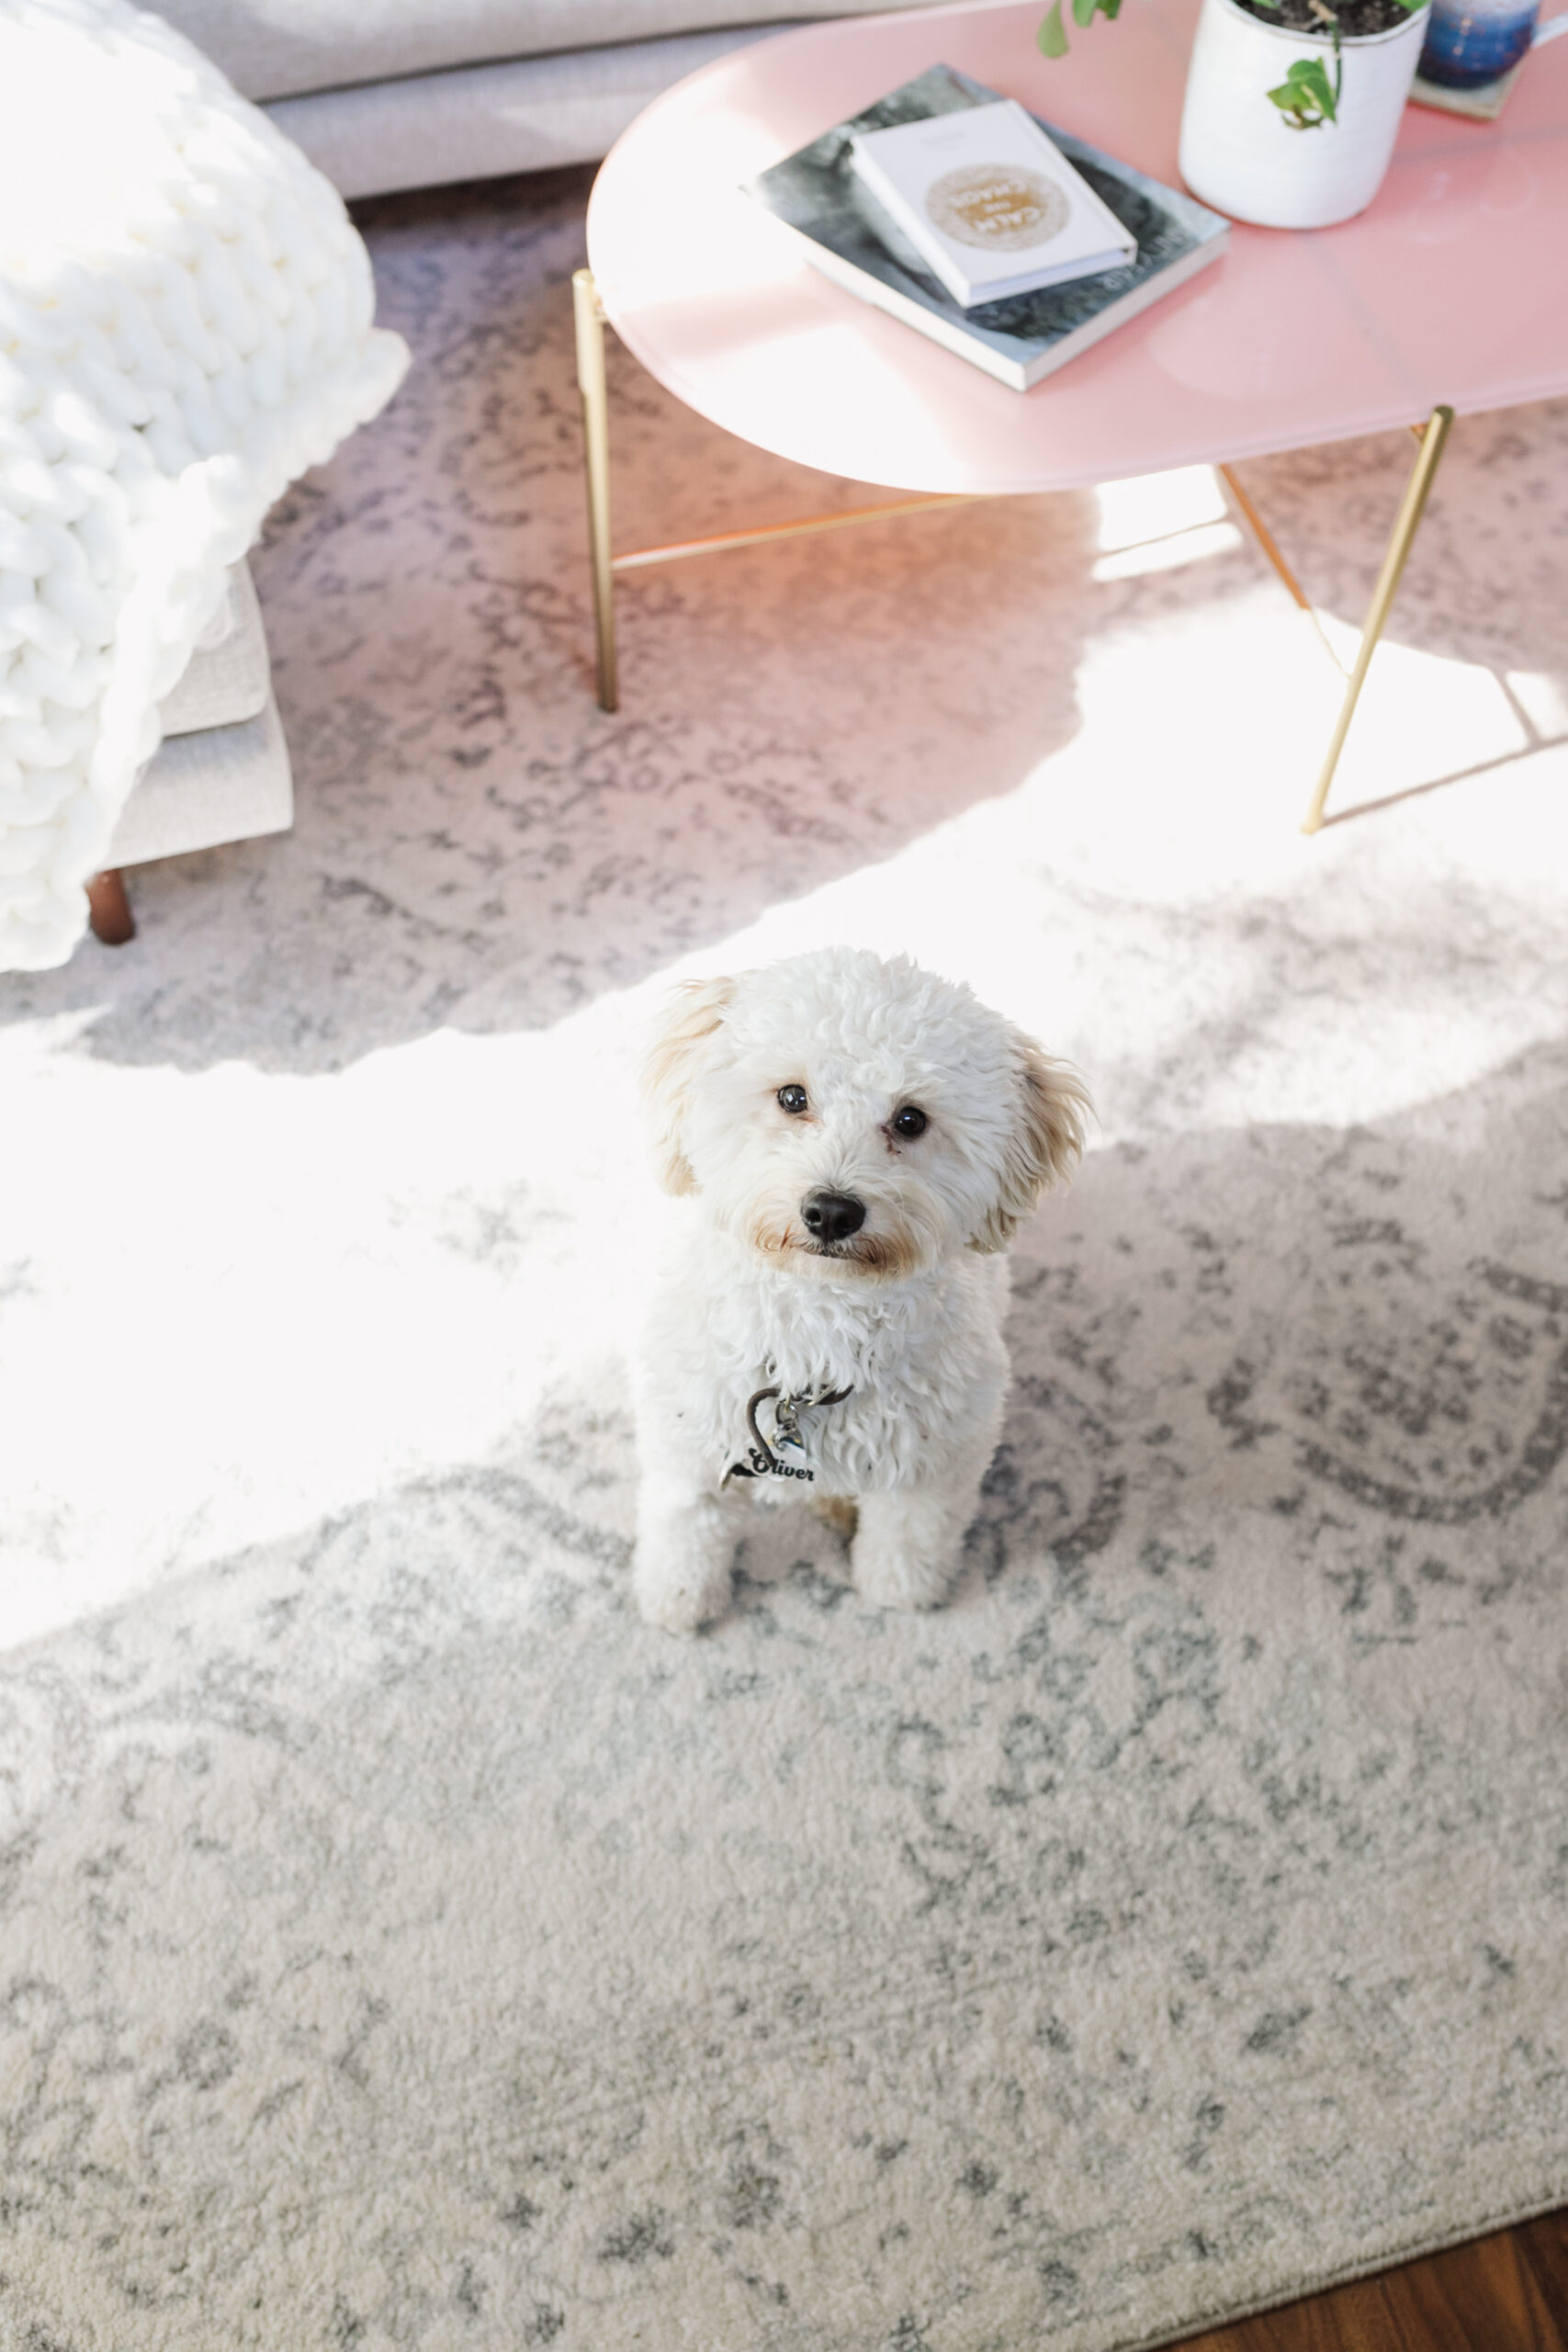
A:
x,y
184,325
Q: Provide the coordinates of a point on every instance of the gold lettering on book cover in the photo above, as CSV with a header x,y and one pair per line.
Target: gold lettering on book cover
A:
x,y
1000,207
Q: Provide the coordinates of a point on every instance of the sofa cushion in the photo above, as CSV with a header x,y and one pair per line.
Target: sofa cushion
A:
x,y
226,784
475,122
274,48
228,677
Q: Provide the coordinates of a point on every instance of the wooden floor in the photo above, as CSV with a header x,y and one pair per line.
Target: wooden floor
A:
x,y
1506,2293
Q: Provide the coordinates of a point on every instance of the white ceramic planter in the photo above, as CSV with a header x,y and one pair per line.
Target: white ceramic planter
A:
x,y
1240,155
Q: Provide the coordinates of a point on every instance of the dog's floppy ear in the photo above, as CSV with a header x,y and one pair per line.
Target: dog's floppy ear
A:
x,y
679,1046
1046,1142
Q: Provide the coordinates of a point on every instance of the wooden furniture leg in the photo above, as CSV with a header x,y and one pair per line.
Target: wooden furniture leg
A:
x,y
109,908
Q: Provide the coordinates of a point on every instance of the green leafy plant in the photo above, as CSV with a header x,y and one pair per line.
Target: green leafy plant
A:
x,y
1306,97
1052,34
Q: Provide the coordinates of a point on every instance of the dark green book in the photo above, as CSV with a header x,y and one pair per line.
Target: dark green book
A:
x,y
1023,336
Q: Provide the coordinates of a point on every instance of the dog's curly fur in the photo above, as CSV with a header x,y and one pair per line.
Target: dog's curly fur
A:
x,y
906,1312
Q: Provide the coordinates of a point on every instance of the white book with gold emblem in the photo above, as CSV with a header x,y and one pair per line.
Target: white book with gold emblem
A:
x,y
990,202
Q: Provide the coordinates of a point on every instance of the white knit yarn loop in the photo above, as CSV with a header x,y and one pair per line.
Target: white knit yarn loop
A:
x,y
186,324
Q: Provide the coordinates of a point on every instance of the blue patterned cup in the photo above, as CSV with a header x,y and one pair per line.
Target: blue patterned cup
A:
x,y
1473,41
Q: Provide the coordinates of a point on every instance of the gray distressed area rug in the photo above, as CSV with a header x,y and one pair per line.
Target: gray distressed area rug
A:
x,y
400,1946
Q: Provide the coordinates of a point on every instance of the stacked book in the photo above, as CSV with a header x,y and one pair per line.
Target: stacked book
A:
x,y
998,235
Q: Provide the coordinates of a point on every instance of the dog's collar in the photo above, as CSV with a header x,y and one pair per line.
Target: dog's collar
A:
x,y
785,1458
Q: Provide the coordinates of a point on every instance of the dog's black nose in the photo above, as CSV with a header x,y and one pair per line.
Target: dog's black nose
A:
x,y
831,1217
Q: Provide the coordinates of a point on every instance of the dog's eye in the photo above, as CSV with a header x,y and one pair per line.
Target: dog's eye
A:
x,y
793,1098
911,1121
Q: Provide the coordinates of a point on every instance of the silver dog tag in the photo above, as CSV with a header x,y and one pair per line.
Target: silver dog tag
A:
x,y
781,1453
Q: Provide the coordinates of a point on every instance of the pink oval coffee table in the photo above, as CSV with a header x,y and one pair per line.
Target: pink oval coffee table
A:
x,y
1450,294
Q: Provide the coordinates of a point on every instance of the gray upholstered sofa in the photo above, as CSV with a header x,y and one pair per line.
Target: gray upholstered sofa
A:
x,y
397,93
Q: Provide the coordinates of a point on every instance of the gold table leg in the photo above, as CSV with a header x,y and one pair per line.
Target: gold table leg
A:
x,y
1270,547
763,534
1411,508
590,322
590,319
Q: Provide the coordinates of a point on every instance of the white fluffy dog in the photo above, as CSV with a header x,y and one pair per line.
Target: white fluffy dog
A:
x,y
853,1142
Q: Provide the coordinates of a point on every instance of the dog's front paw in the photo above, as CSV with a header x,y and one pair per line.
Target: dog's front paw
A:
x,y
900,1580
906,1551
678,1601
682,1571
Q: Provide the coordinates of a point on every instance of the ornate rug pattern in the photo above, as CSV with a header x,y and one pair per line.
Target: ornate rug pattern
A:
x,y
400,1946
